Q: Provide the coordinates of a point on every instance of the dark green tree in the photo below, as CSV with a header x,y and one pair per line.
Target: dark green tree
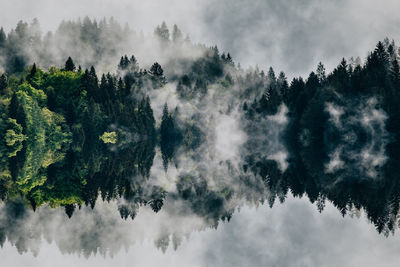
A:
x,y
3,38
321,73
156,70
69,65
3,84
33,71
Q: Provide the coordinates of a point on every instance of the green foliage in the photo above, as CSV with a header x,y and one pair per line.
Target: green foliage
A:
x,y
45,137
50,126
14,137
225,83
109,137
37,95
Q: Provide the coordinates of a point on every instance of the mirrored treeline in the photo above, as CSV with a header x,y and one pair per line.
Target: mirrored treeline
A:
x,y
197,132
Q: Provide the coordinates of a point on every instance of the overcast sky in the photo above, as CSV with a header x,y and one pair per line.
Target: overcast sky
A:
x,y
290,35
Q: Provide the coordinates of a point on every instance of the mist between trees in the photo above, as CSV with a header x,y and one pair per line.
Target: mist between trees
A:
x,y
189,128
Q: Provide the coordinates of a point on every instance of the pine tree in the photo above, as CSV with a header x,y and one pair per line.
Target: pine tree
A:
x,y
395,73
283,86
133,65
177,36
93,75
91,84
229,59
321,73
33,71
312,85
157,75
69,210
271,76
123,63
69,65
111,86
3,84
162,32
165,112
223,57
382,55
103,88
156,70
340,77
121,89
3,38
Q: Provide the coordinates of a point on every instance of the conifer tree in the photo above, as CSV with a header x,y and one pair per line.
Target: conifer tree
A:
x,y
3,38
162,32
33,71
177,36
69,65
321,73
3,84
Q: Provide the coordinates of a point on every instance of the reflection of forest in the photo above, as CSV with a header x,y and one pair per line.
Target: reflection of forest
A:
x,y
68,137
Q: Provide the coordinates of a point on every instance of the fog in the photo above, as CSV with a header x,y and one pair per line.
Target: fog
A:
x,y
292,36
292,234
359,157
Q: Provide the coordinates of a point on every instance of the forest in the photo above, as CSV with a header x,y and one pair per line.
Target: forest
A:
x,y
78,125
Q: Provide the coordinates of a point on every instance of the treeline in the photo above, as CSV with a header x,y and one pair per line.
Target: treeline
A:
x,y
54,133
95,43
70,135
360,91
97,133
88,40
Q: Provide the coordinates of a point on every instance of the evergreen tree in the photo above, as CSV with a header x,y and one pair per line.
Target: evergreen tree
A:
x,y
156,70
69,65
229,59
165,113
321,73
223,57
3,38
395,73
340,77
69,210
391,49
121,89
103,89
157,76
162,32
91,83
177,36
33,71
133,65
3,84
123,63
382,55
271,76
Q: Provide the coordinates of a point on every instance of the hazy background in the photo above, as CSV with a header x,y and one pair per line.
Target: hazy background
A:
x,y
289,234
292,36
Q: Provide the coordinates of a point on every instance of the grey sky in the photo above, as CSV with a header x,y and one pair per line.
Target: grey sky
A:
x,y
289,35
